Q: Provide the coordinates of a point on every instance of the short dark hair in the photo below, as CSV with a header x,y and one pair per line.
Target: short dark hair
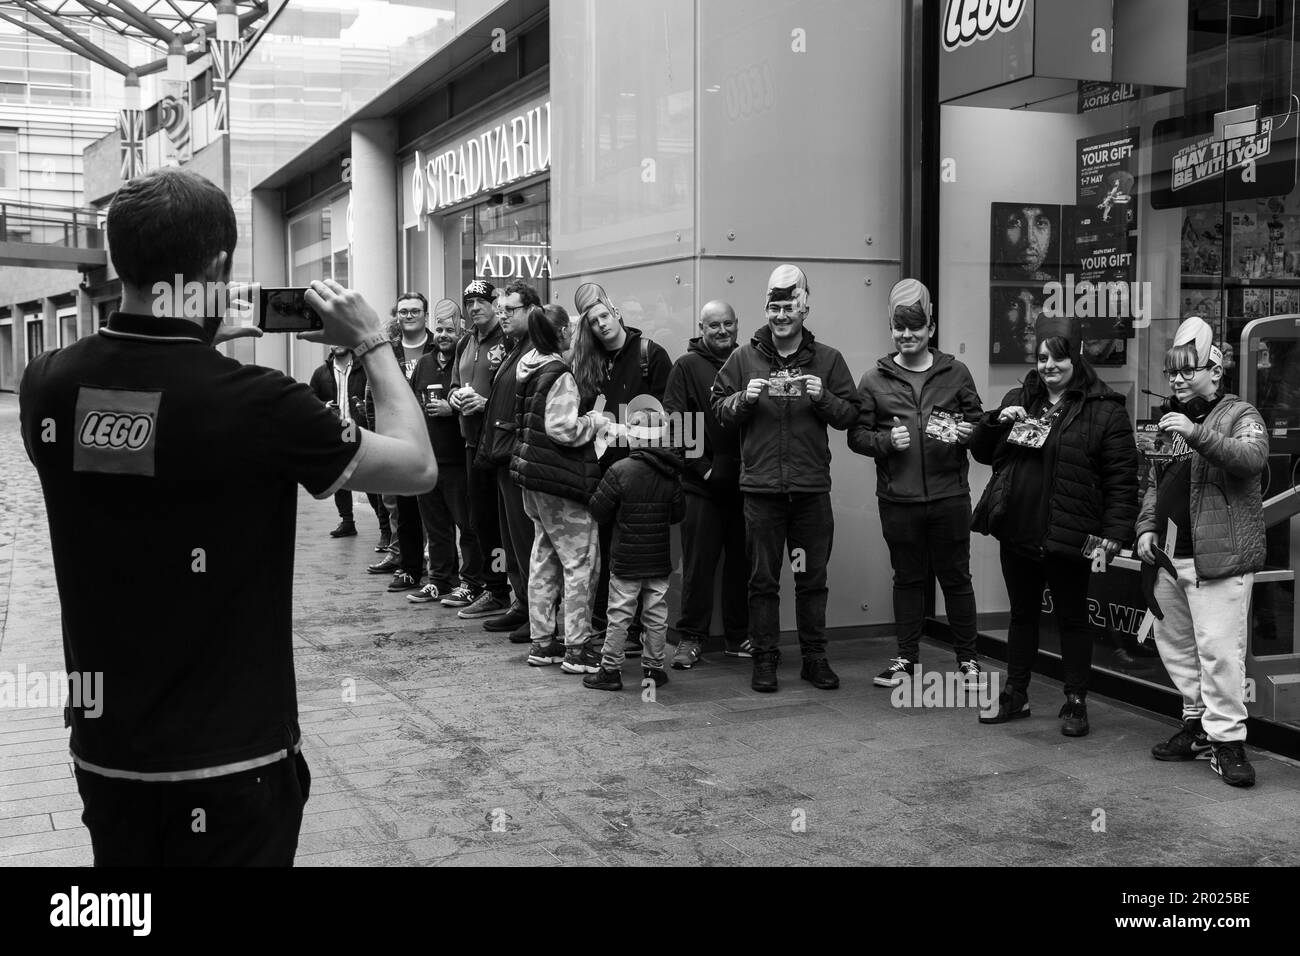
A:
x,y
541,331
527,294
167,223
424,303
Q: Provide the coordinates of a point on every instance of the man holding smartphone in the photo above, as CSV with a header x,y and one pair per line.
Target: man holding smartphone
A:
x,y
782,390
188,617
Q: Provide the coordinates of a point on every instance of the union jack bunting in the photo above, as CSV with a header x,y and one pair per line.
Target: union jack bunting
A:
x,y
130,132
225,54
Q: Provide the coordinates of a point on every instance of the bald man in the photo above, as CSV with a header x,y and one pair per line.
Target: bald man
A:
x,y
714,526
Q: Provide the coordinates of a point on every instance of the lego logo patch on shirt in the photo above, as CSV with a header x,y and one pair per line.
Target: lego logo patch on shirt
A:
x,y
116,431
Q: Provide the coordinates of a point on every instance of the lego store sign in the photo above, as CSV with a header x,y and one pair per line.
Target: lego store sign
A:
x,y
968,21
506,151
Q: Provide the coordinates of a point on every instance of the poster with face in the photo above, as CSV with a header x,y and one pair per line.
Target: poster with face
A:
x,y
1011,324
1025,241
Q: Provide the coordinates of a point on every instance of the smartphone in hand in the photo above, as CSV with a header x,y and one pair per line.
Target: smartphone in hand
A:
x,y
286,310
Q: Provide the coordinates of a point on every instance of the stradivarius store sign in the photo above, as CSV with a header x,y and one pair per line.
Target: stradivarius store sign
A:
x,y
506,151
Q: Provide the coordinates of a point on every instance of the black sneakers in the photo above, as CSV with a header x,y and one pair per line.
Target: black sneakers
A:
x,y
547,652
402,582
765,664
1012,705
581,660
604,679
818,673
1190,743
656,674
1229,762
1074,716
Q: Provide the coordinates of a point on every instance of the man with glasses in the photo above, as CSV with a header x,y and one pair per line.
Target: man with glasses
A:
x,y
1210,495
415,342
782,390
496,449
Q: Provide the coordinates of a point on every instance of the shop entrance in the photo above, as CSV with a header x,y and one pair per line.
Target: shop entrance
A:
x,y
506,237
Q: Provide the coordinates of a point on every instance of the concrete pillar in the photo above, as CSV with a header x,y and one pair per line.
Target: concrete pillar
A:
x,y
273,350
85,314
20,340
50,320
375,198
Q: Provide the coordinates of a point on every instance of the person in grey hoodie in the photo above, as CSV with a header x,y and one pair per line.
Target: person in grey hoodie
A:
x,y
917,407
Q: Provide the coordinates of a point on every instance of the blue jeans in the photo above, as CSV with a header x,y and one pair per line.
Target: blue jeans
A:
x,y
805,523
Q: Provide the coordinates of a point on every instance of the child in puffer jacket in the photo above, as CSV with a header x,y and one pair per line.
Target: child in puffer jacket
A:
x,y
642,494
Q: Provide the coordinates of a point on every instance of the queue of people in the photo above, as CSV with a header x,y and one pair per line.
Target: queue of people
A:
x,y
560,477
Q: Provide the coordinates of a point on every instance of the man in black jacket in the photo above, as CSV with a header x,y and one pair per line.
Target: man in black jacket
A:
x,y
714,525
339,375
445,509
496,448
918,406
783,389
415,343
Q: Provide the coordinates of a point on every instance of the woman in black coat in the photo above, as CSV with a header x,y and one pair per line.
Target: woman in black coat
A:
x,y
1053,506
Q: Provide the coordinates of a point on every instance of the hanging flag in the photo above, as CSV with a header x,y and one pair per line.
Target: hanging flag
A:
x,y
225,54
130,133
174,119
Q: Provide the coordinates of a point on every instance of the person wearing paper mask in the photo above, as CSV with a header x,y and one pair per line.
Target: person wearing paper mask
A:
x,y
1063,495
783,390
917,408
1213,502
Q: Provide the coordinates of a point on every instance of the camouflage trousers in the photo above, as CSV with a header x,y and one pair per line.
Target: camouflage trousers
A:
x,y
565,559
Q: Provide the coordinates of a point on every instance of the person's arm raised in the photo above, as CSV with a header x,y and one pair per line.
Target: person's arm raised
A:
x,y
395,459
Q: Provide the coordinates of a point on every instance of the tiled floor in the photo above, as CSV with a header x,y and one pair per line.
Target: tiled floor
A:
x,y
455,753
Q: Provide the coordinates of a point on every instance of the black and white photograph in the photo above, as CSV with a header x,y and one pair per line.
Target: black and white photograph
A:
x,y
520,434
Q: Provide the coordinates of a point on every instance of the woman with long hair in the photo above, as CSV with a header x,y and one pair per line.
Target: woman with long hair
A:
x,y
1063,495
555,465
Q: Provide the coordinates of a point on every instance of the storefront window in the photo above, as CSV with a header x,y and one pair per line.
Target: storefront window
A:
x,y
1121,206
318,244
506,238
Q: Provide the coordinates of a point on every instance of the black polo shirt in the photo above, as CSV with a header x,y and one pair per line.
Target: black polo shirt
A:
x,y
171,476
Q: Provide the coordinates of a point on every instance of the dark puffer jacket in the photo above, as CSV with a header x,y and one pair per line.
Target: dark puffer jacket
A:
x,y
689,384
643,492
1091,485
1231,448
539,463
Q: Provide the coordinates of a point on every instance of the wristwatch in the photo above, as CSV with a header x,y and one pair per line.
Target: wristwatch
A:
x,y
374,340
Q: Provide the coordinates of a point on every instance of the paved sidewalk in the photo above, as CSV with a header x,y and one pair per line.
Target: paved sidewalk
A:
x,y
457,753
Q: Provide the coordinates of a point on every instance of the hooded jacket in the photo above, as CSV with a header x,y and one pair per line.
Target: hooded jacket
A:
x,y
1090,469
929,469
784,448
554,453
642,494
1227,513
688,394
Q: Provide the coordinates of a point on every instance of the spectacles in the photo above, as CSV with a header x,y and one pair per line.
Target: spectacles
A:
x,y
781,309
513,309
1186,372
408,313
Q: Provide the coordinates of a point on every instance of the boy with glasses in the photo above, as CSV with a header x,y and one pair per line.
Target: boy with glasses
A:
x,y
1211,497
